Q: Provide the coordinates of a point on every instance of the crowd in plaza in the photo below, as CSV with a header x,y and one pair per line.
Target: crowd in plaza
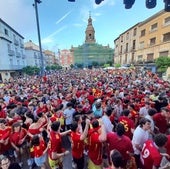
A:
x,y
117,119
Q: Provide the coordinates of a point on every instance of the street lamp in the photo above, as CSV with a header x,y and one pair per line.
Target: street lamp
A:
x,y
39,37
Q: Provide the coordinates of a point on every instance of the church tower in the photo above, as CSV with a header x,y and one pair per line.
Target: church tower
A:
x,y
90,32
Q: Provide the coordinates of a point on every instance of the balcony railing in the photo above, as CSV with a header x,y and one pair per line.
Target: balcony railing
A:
x,y
16,42
18,55
22,45
3,36
23,56
11,52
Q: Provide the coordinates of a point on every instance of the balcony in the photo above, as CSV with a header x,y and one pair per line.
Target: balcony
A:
x,y
16,42
22,45
18,55
6,37
11,52
23,56
35,56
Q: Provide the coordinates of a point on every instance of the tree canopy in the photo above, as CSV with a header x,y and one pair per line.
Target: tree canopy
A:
x,y
162,63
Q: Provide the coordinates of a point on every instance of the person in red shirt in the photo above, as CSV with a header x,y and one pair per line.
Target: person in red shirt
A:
x,y
4,137
96,137
77,141
134,115
150,155
17,138
120,142
167,146
127,122
39,149
2,112
42,108
161,119
56,152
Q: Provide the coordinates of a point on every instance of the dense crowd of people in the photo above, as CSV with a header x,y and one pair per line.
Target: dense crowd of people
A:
x,y
115,118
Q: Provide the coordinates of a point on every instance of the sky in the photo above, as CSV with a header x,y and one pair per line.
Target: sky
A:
x,y
63,23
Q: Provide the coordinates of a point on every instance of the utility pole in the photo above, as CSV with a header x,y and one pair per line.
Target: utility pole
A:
x,y
39,37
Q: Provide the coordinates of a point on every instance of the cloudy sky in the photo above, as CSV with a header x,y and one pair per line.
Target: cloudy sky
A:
x,y
63,23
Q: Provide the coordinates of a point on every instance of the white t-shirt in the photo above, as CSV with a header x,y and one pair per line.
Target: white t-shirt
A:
x,y
107,123
69,115
139,137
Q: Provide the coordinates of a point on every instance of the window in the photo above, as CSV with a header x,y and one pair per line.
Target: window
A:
x,y
134,32
167,21
143,32
127,36
134,44
150,57
141,45
121,49
166,37
133,56
140,57
126,47
154,27
18,62
6,32
126,58
121,38
163,53
152,41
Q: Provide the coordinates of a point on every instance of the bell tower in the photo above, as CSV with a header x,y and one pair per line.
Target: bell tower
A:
x,y
90,32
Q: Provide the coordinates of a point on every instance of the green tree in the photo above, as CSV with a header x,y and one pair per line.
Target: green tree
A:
x,y
117,65
106,65
72,66
48,68
31,70
162,63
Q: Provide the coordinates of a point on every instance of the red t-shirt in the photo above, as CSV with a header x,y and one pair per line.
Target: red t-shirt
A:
x,y
77,145
128,125
95,147
4,135
15,137
56,145
34,131
150,155
122,144
41,110
160,122
2,114
168,145
38,150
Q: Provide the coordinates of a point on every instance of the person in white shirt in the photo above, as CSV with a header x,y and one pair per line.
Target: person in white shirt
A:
x,y
140,135
106,120
68,114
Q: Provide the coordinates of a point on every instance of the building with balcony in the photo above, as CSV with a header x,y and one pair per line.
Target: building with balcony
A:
x,y
126,46
32,52
66,58
12,53
49,58
145,41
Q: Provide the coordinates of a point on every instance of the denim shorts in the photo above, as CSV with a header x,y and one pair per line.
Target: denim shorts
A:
x,y
40,160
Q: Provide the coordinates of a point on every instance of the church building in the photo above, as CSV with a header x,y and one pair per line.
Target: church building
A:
x,y
91,53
